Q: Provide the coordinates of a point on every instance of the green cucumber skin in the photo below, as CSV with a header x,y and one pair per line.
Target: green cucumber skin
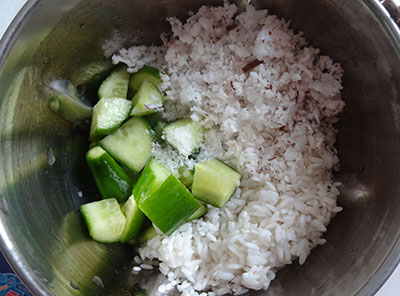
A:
x,y
104,220
169,206
110,178
123,144
214,182
147,72
143,184
116,84
153,175
134,220
199,213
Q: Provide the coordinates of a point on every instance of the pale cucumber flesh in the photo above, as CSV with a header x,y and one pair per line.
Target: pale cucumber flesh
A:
x,y
147,100
184,135
104,219
134,220
146,73
115,85
185,176
214,182
130,144
108,115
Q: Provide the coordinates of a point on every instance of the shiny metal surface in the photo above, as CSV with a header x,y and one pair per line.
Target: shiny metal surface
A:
x,y
42,233
393,9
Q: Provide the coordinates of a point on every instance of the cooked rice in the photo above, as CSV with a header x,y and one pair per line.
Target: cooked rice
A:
x,y
269,101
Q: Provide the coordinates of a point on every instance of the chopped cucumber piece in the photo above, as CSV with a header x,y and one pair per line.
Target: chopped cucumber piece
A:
x,y
104,220
130,144
139,292
110,178
169,206
108,115
148,100
66,101
214,182
184,135
146,235
158,131
134,176
199,213
154,118
185,176
150,179
134,220
115,85
146,73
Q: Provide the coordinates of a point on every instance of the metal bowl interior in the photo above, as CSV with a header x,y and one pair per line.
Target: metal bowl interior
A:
x,y
42,233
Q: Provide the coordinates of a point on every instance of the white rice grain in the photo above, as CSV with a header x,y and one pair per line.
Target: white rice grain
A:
x,y
146,266
271,121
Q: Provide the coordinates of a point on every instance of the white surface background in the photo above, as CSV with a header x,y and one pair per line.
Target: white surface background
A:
x,y
9,8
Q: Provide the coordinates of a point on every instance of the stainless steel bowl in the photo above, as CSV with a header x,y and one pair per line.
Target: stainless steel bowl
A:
x,y
42,234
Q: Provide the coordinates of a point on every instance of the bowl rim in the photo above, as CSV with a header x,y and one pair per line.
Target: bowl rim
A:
x,y
32,280
392,258
18,264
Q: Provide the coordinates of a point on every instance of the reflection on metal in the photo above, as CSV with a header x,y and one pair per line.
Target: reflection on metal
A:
x,y
66,101
34,232
51,159
393,7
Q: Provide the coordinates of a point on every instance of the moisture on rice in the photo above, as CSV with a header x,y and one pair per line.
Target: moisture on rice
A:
x,y
269,101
